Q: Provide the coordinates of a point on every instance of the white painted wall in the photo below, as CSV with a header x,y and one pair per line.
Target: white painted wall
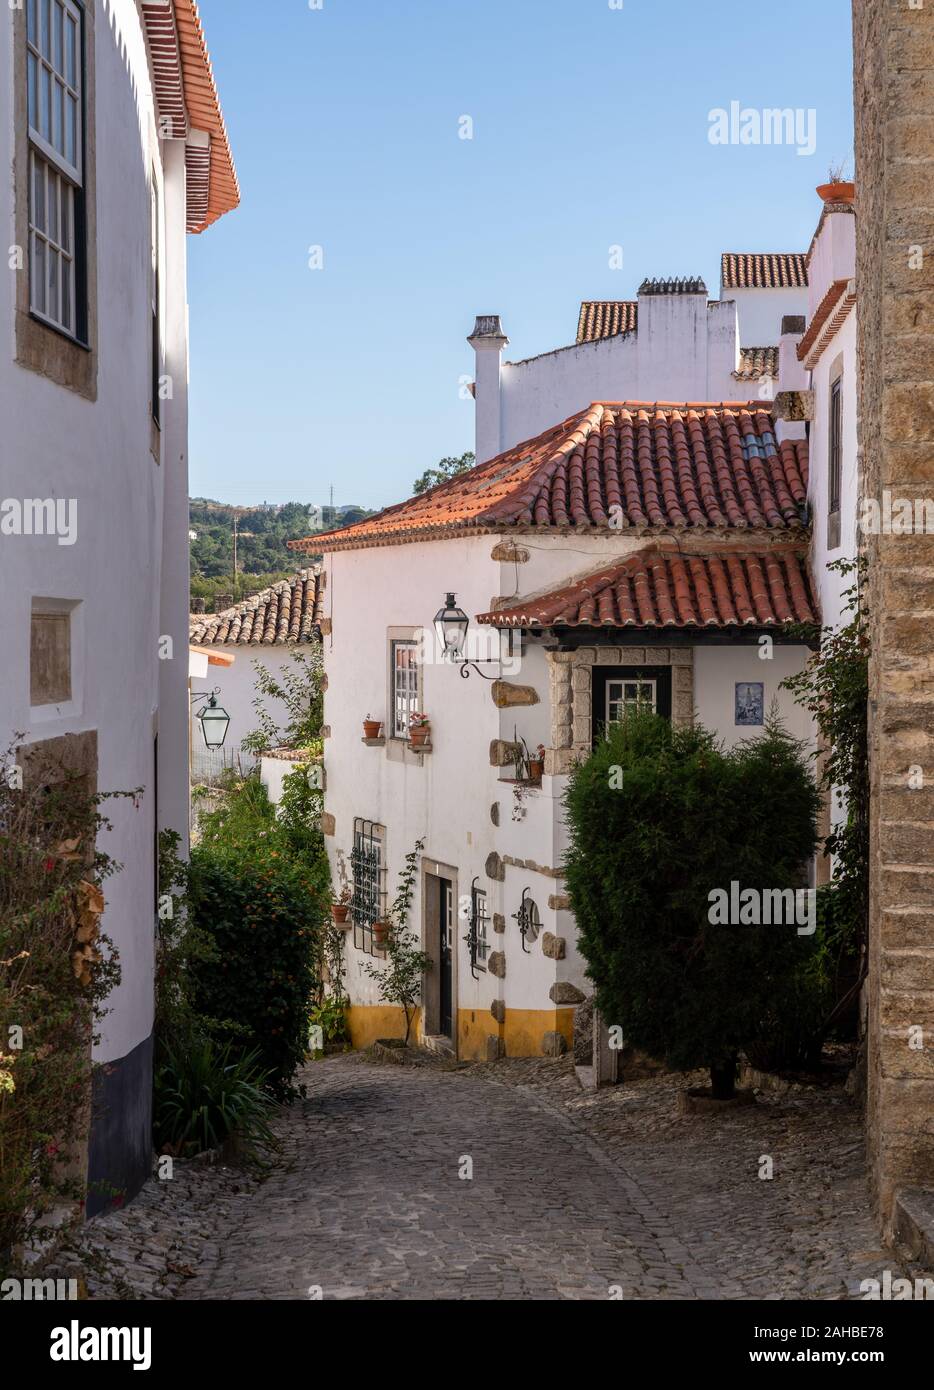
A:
x,y
57,444
238,691
716,671
761,312
830,585
833,256
448,798
685,349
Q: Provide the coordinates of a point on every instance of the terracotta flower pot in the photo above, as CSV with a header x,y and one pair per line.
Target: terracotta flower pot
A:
x,y
536,769
380,933
371,728
841,192
419,737
340,912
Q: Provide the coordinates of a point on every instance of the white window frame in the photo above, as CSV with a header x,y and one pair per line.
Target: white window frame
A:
x,y
61,179
635,703
404,700
481,925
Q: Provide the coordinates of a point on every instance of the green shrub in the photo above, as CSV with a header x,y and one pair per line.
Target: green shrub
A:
x,y
659,818
206,1096
264,915
331,1017
57,971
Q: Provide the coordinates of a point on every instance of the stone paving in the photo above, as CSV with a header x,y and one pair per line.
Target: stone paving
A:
x,y
573,1194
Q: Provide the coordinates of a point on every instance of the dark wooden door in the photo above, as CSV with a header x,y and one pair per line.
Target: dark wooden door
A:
x,y
446,956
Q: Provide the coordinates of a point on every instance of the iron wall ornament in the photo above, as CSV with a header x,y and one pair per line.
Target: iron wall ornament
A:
x,y
472,936
528,919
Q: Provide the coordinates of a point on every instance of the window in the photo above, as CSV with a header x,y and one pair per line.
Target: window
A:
x,y
368,862
623,695
50,658
835,470
54,56
481,926
404,686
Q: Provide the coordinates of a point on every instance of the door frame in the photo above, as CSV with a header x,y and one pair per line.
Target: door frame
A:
x,y
432,871
661,675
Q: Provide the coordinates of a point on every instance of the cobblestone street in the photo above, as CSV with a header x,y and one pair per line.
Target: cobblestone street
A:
x,y
573,1194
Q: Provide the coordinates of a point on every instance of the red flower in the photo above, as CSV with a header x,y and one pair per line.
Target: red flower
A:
x,y
49,865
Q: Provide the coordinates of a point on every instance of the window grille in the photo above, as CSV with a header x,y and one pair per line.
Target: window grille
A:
x,y
368,863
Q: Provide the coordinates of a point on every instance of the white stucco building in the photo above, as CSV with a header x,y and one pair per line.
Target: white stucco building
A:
x,y
113,148
643,524
629,552
266,628
671,344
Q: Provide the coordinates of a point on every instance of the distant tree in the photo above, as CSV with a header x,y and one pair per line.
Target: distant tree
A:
x,y
447,468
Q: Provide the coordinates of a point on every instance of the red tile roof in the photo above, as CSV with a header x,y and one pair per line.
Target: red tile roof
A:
x,y
756,362
828,318
187,98
657,588
609,467
605,318
762,270
286,612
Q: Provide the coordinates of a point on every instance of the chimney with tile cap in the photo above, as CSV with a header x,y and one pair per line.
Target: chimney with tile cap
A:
x,y
487,341
792,374
672,339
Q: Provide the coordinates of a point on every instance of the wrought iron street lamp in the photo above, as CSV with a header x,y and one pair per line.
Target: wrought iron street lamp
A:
x,y
213,718
451,624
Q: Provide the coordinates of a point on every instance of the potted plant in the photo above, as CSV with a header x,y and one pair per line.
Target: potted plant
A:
x,y
380,933
419,729
537,764
837,189
340,907
371,727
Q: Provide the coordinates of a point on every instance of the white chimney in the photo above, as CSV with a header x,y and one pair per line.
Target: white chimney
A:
x,y
487,341
792,374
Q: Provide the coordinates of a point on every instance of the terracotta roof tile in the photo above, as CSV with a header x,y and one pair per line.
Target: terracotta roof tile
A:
x,y
763,270
605,318
286,612
612,466
828,317
657,588
204,112
756,362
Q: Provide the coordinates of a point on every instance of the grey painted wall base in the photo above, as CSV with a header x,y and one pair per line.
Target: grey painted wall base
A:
x,y
120,1145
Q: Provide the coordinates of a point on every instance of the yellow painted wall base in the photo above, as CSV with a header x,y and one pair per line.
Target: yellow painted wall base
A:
x,y
522,1031
367,1022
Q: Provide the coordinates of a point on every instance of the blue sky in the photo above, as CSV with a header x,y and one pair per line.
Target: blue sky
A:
x,y
589,131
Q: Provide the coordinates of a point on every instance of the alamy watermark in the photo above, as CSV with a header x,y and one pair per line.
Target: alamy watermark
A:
x,y
40,516
748,125
763,907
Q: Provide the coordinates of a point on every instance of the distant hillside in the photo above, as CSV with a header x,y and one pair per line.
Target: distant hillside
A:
x,y
262,533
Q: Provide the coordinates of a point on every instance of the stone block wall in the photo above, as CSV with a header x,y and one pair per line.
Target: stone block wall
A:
x,y
572,686
894,107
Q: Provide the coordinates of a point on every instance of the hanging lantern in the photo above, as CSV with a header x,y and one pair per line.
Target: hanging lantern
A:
x,y
451,624
215,722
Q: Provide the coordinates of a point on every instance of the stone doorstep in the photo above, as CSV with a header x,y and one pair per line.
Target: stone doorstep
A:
x,y
914,1224
439,1043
